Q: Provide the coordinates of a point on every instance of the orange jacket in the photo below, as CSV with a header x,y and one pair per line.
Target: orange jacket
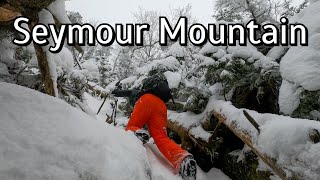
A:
x,y
151,110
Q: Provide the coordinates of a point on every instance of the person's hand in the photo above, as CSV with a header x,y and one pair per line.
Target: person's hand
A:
x,y
143,135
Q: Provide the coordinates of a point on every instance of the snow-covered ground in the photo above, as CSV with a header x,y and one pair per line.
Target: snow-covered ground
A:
x,y
42,137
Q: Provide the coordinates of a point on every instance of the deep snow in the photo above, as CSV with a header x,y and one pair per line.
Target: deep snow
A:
x,y
42,137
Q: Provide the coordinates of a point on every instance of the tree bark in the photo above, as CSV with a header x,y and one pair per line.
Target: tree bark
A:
x,y
44,68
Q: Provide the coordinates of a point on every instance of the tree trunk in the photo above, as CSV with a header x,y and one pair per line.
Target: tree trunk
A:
x,y
44,68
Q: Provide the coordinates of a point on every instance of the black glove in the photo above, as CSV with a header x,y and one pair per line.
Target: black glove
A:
x,y
143,135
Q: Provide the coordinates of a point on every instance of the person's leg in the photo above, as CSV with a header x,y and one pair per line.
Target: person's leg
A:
x,y
172,151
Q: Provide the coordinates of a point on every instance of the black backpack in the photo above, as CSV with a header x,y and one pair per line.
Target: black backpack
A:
x,y
156,85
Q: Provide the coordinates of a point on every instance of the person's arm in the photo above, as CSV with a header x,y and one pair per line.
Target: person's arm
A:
x,y
140,115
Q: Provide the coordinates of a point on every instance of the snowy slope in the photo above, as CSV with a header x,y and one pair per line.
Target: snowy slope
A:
x,y
42,137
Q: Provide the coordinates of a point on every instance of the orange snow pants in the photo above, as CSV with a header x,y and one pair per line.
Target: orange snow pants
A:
x,y
152,111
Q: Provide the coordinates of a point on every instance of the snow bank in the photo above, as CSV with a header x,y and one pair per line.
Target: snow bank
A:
x,y
44,138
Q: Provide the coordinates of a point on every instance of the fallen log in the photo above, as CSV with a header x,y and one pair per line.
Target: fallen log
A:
x,y
247,140
188,140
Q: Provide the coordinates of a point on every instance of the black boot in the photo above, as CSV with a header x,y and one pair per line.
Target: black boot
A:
x,y
188,168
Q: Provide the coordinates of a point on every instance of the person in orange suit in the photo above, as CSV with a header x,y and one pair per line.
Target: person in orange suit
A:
x,y
150,109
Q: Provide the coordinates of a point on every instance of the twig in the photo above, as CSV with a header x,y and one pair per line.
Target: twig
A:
x,y
102,105
251,120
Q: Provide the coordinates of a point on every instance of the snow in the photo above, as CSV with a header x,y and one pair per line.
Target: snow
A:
x,y
90,65
244,52
7,53
176,50
265,63
4,73
210,49
282,138
219,54
289,97
225,74
92,69
277,52
60,62
199,132
173,79
58,9
128,82
162,171
4,69
169,63
216,89
44,138
301,65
